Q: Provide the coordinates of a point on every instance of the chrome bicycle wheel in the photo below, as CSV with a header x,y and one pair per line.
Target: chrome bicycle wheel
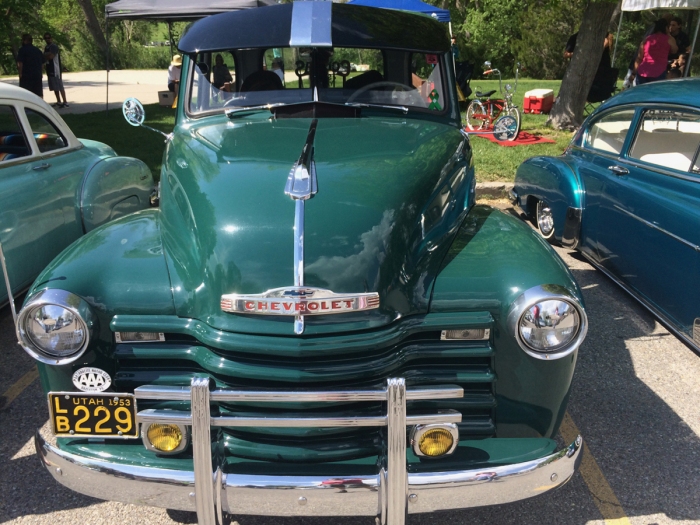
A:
x,y
476,115
514,112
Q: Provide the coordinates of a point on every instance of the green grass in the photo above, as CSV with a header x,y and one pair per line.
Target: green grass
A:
x,y
493,162
111,128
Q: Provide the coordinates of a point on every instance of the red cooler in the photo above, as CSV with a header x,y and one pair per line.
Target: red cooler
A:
x,y
538,101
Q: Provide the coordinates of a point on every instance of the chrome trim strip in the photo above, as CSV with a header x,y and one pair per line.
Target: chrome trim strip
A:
x,y
301,186
201,452
658,228
182,393
397,486
184,418
444,417
538,294
337,496
299,422
174,417
311,24
10,297
663,319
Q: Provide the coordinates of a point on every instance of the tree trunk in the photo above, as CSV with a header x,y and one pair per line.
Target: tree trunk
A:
x,y
93,25
567,112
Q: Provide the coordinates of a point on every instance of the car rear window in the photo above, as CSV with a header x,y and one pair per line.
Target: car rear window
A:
x,y
668,138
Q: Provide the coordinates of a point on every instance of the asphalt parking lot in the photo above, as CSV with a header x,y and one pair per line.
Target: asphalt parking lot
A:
x,y
635,399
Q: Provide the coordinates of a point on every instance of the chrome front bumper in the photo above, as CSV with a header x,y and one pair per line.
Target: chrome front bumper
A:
x,y
388,495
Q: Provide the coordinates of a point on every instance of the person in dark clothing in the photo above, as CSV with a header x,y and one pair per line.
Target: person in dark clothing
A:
x,y
29,62
675,29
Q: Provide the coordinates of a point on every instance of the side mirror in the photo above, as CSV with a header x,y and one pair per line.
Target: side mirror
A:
x,y
133,112
487,64
135,115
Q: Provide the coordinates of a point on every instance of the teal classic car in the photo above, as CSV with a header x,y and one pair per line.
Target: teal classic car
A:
x,y
318,320
54,187
625,194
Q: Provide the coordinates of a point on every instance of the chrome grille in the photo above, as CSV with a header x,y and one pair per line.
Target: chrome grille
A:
x,y
419,357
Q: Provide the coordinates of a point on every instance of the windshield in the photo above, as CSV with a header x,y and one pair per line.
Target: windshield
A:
x,y
243,78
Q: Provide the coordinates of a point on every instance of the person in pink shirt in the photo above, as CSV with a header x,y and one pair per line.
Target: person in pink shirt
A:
x,y
652,59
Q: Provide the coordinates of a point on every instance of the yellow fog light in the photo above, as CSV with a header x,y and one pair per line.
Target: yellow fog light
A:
x,y
166,438
434,440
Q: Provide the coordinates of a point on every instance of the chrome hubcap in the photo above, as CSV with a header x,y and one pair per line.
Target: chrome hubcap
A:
x,y
545,221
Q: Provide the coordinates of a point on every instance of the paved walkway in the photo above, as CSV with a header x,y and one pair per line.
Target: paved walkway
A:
x,y
87,91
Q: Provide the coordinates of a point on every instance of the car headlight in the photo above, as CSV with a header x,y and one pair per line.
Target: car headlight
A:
x,y
54,326
548,322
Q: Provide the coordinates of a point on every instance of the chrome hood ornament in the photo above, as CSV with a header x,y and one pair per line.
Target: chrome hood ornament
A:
x,y
299,300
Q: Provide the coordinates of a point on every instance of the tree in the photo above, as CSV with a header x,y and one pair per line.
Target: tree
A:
x,y
93,25
567,112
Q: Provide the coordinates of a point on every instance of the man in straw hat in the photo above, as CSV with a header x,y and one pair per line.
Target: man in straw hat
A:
x,y
174,74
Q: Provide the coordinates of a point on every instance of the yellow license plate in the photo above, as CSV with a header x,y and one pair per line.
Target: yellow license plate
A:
x,y
93,414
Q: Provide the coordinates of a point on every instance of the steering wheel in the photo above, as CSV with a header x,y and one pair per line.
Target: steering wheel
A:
x,y
374,85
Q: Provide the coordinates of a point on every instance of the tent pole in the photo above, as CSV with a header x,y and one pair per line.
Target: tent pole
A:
x,y
107,64
692,48
170,36
617,39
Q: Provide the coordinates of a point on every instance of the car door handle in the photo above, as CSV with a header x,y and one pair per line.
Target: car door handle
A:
x,y
619,170
43,166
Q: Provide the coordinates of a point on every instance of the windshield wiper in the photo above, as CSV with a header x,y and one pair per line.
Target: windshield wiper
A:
x,y
404,109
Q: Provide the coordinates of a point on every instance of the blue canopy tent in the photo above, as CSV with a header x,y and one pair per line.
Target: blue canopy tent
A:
x,y
442,15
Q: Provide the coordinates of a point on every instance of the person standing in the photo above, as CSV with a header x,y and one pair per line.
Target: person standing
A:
x,y
53,71
29,62
652,58
174,71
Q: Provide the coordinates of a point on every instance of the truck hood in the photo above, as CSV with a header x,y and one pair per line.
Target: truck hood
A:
x,y
390,193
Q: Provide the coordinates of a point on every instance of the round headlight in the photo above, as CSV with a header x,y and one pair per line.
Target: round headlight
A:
x,y
548,322
54,330
549,326
54,326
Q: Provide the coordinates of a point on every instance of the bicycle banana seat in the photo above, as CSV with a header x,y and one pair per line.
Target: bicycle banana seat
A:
x,y
487,94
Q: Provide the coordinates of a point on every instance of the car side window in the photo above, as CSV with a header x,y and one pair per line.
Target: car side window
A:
x,y
13,143
47,137
668,138
608,132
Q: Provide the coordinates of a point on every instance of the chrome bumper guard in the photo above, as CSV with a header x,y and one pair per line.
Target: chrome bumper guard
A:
x,y
389,495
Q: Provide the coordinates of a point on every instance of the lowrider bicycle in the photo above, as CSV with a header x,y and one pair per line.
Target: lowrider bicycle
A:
x,y
625,194
55,187
318,320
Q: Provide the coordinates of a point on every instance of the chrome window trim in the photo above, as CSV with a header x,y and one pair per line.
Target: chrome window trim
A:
x,y
419,430
63,299
59,129
538,294
658,228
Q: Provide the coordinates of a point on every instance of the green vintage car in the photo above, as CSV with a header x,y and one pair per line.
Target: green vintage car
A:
x,y
55,187
318,320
